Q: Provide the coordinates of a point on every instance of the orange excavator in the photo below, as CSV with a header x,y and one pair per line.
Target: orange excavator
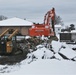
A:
x,y
47,28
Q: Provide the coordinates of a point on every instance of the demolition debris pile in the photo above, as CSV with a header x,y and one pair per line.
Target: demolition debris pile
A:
x,y
54,50
25,46
41,48
57,54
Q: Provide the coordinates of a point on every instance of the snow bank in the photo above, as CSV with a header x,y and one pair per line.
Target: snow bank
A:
x,y
40,53
57,56
8,68
69,53
56,46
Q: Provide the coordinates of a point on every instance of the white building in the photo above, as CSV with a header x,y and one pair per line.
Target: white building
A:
x,y
57,28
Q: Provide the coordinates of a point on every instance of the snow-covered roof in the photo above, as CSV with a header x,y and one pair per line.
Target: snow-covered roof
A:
x,y
57,25
15,22
73,31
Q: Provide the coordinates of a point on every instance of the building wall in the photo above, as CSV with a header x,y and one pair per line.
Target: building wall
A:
x,y
25,30
22,29
57,29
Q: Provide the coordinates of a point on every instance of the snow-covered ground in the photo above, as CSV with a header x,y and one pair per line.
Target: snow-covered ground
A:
x,y
44,67
45,61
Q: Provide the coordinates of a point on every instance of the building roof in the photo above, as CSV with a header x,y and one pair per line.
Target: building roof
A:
x,y
57,25
15,22
72,31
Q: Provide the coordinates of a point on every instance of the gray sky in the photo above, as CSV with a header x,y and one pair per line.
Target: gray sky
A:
x,y
34,10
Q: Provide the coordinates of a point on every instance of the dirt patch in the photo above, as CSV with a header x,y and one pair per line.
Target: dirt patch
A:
x,y
10,60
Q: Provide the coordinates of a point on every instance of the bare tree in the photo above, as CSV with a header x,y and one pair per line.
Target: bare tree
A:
x,y
58,20
2,17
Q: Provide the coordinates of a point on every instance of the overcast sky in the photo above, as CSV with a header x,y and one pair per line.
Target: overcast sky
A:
x,y
34,10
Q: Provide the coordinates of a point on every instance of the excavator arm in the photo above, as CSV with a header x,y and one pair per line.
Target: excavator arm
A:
x,y
14,33
9,43
49,18
1,35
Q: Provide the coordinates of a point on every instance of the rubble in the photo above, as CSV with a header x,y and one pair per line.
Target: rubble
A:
x,y
69,53
37,48
25,46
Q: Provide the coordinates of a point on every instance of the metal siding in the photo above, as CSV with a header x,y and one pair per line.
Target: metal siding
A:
x,y
74,37
65,37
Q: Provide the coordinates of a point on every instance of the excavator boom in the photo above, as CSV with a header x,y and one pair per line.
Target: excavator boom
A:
x,y
49,16
1,35
14,33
